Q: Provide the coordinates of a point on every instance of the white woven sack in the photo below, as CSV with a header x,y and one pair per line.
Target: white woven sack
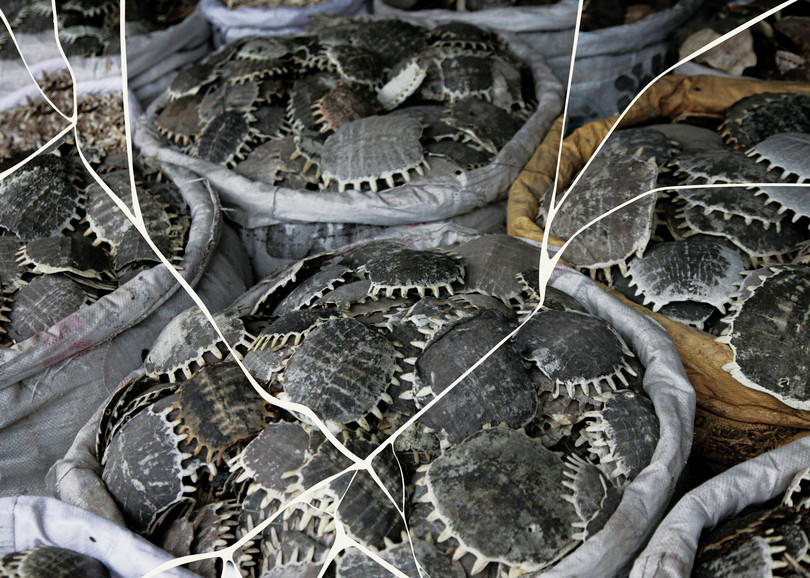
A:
x,y
671,550
614,64
29,521
154,59
231,24
254,205
642,507
51,383
549,30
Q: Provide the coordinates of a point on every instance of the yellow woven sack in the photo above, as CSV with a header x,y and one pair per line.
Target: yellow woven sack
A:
x,y
733,423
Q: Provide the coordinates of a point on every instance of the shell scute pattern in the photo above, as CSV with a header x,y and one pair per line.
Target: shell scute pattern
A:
x,y
224,138
39,200
608,182
73,254
476,400
219,408
42,303
686,270
51,561
785,151
325,375
371,149
548,339
754,118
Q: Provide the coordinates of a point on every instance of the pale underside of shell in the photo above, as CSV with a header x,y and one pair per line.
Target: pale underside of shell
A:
x,y
371,149
607,183
687,270
786,152
768,335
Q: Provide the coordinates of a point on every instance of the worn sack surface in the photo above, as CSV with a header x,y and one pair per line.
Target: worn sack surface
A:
x,y
727,410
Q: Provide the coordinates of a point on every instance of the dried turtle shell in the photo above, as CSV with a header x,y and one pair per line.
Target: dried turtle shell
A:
x,y
39,199
187,339
75,255
605,184
498,390
431,561
224,138
787,152
407,269
756,117
341,370
42,303
520,519
553,340
371,149
686,271
768,334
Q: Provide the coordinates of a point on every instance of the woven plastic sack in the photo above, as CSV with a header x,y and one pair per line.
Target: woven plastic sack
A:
x,y
671,550
549,30
729,415
644,500
613,64
229,24
154,59
51,383
255,206
28,521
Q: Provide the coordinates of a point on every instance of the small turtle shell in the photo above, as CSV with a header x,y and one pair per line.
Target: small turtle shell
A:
x,y
607,183
42,303
787,152
756,117
219,408
499,390
553,340
66,255
518,519
224,138
406,269
39,199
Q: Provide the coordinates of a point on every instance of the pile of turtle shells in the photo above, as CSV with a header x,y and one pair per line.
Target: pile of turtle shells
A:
x,y
730,260
64,242
520,462
366,105
26,128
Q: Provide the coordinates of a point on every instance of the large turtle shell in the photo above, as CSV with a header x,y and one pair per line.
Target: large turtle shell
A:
x,y
768,335
499,390
518,519
42,303
605,184
341,370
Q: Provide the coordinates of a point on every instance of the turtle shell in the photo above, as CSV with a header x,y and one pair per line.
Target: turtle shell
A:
x,y
734,201
720,166
498,390
643,143
756,117
371,149
553,340
520,519
686,270
223,139
407,269
75,255
39,199
605,184
794,199
432,562
787,152
768,335
341,370
189,338
42,303
180,119
191,79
